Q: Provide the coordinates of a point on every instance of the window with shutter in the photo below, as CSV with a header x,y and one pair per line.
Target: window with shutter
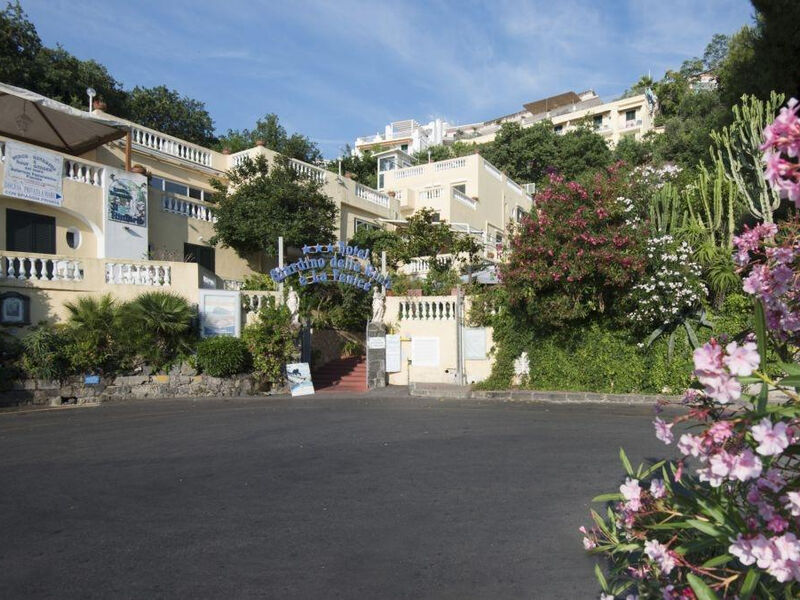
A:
x,y
29,232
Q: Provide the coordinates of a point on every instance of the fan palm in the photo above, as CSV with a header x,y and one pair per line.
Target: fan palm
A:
x,y
161,325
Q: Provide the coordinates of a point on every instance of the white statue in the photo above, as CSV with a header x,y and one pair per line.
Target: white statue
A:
x,y
293,304
378,305
522,368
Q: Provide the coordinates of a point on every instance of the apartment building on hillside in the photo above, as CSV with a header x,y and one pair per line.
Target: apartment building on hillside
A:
x,y
632,116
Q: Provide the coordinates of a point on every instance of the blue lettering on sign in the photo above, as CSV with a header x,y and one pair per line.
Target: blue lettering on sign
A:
x,y
347,264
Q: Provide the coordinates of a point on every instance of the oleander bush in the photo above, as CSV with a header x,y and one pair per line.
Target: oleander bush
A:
x,y
223,356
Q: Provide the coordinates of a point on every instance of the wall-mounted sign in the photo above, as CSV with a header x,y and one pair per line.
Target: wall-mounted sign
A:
x,y
126,198
220,313
376,343
393,353
33,174
336,263
425,351
15,309
474,343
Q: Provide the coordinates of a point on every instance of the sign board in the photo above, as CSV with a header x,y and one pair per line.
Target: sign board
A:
x,y
376,343
91,379
220,313
126,198
299,377
425,351
33,174
393,354
474,343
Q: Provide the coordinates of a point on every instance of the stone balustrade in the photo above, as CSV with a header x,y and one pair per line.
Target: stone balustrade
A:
x,y
40,268
178,148
430,194
187,208
253,301
128,273
314,173
464,199
432,308
370,195
83,172
446,165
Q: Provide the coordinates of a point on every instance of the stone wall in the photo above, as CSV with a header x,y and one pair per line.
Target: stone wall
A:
x,y
180,383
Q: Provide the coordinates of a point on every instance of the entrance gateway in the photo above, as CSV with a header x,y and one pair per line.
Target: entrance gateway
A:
x,y
338,262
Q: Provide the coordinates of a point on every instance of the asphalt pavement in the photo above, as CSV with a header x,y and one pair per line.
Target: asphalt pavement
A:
x,y
320,497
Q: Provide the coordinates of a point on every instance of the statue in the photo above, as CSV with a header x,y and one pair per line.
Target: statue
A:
x,y
293,304
522,369
378,305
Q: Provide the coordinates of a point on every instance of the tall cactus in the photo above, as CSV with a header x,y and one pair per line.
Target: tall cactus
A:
x,y
666,211
712,205
736,148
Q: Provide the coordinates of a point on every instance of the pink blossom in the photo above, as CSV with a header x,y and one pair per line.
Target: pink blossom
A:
x,y
742,360
742,548
777,523
663,431
661,555
689,444
793,503
708,358
657,489
772,481
772,439
632,494
720,431
746,466
723,389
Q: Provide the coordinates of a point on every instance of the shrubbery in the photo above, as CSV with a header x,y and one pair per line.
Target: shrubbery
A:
x,y
271,341
223,356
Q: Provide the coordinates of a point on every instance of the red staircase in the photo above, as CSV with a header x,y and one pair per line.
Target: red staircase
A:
x,y
341,375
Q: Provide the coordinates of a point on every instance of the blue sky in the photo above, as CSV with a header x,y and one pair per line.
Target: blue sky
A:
x,y
337,69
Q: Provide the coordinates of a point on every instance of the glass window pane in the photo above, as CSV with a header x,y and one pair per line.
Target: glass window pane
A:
x,y
175,188
195,193
157,183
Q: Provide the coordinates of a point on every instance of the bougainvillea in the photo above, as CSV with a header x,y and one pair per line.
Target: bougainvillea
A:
x,y
577,253
723,519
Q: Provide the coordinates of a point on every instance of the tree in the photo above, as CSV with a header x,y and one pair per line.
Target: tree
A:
x,y
633,152
424,235
580,152
167,111
716,51
378,241
763,58
274,135
19,47
645,82
364,167
524,154
264,201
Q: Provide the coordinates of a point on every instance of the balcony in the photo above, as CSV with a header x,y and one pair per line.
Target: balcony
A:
x,y
186,207
171,146
632,124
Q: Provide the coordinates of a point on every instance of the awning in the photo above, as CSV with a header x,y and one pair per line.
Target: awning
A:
x,y
32,118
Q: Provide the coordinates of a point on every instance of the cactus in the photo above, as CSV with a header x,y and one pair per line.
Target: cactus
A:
x,y
736,148
664,209
712,206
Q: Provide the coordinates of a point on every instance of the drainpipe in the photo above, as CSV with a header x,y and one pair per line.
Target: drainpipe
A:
x,y
128,150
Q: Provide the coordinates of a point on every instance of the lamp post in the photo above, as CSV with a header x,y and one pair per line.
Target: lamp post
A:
x,y
91,93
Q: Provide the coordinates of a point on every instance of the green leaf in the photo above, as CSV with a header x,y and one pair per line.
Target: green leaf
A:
x,y
625,462
700,588
607,497
718,560
692,336
761,336
790,381
705,527
598,572
653,469
601,524
790,368
749,379
671,345
749,585
654,336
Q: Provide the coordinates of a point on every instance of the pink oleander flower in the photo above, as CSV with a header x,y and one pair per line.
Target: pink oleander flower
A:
x,y
632,494
720,431
772,439
746,466
772,481
661,555
723,389
782,147
663,430
689,444
742,360
657,489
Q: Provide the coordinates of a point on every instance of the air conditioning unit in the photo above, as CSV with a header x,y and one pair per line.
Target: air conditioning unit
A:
x,y
530,188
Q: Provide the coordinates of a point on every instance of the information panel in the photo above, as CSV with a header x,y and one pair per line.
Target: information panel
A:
x,y
33,174
393,354
425,351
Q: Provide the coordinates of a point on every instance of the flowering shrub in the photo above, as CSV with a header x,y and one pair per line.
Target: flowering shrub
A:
x,y
576,253
722,520
673,288
782,145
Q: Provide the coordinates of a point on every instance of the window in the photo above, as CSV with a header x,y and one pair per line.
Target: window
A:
x,y
362,224
404,147
202,255
30,232
436,217
386,164
558,128
380,181
180,189
630,115
175,188
73,238
597,121
461,187
498,237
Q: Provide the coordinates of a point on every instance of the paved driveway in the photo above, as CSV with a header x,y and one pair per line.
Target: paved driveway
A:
x,y
313,498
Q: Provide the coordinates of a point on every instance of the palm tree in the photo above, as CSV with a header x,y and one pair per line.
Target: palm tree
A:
x,y
92,326
161,325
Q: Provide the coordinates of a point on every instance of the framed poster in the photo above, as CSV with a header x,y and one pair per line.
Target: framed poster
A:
x,y
126,198
220,313
33,174
425,351
14,309
299,377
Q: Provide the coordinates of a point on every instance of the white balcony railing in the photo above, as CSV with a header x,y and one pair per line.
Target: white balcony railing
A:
x,y
83,172
370,195
464,199
254,301
446,165
432,309
39,268
310,171
514,187
631,124
161,142
494,171
430,194
187,208
126,273
409,172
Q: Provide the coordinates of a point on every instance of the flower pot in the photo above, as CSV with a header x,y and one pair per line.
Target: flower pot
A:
x,y
99,105
138,169
414,293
